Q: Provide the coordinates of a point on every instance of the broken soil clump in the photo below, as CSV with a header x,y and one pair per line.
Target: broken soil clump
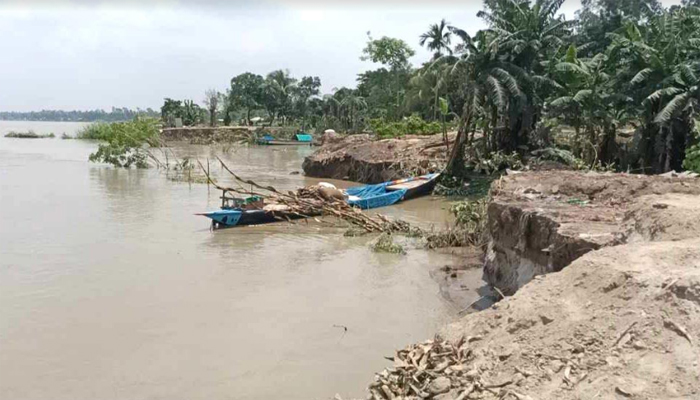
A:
x,y
359,158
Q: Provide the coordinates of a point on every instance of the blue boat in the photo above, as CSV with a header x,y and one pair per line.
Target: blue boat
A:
x,y
252,211
299,139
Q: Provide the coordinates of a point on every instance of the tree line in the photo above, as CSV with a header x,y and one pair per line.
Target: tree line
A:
x,y
115,115
618,70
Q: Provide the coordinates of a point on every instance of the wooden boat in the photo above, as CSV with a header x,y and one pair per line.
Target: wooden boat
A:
x,y
229,217
300,139
253,211
388,193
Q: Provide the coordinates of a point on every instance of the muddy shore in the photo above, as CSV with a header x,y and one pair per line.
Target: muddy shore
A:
x,y
605,271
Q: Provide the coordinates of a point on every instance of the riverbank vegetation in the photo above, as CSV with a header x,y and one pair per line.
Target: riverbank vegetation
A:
x,y
617,84
125,144
616,87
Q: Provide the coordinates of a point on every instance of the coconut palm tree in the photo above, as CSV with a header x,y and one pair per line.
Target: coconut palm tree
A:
x,y
525,35
437,38
278,90
489,89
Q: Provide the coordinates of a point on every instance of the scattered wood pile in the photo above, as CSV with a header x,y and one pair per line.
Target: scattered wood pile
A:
x,y
309,202
436,369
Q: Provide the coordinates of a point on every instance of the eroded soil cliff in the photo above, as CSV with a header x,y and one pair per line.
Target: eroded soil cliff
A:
x,y
539,222
618,317
361,159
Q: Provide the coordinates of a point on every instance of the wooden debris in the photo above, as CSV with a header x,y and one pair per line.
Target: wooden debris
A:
x,y
519,396
308,202
432,368
623,392
678,329
619,338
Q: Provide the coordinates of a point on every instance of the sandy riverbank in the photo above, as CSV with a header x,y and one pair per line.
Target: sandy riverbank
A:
x,y
618,320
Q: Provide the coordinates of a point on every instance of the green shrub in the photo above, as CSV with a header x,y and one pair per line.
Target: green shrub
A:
x,y
497,161
413,125
125,143
95,131
692,158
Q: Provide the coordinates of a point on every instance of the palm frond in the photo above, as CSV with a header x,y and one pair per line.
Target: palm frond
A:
x,y
508,79
641,76
498,93
562,101
570,67
582,94
674,106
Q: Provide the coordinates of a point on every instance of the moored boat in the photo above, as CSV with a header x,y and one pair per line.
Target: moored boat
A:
x,y
253,210
300,139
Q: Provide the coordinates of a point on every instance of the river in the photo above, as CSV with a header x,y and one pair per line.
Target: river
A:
x,y
111,287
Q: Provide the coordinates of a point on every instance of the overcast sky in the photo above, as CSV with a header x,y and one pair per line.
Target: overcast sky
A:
x,y
85,54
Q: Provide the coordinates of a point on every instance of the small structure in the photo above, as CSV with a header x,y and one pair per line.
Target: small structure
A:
x,y
303,137
299,139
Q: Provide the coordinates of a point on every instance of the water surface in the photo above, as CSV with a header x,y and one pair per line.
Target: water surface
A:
x,y
110,287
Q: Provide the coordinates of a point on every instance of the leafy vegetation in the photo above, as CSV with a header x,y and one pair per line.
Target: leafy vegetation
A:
x,y
125,144
94,131
407,125
470,227
692,159
531,80
617,85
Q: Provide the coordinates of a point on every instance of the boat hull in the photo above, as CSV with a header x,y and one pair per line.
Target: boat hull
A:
x,y
229,218
368,197
284,143
422,190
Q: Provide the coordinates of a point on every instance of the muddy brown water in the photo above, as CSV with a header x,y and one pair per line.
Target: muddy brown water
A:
x,y
111,288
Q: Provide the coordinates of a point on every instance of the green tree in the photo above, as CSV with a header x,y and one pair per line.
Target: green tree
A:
x,y
303,92
437,39
125,144
191,113
170,110
246,92
395,54
277,94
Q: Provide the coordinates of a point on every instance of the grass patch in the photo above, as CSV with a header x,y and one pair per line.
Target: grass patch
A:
x,y
95,131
